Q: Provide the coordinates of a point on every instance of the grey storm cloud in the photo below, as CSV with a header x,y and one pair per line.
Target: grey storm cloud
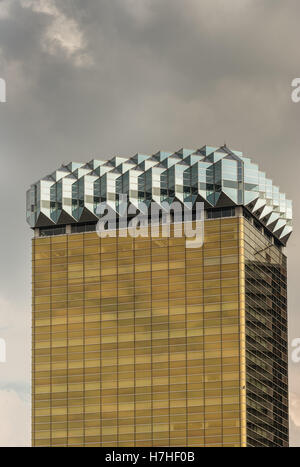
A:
x,y
96,78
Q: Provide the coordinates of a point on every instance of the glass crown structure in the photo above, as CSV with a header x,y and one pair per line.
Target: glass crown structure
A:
x,y
219,177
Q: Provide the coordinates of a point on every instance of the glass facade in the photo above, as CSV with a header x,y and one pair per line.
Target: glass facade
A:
x,y
144,342
136,342
266,341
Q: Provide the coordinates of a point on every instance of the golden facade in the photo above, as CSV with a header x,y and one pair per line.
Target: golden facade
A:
x,y
140,342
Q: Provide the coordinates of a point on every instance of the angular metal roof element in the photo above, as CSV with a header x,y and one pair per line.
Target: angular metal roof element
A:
x,y
219,177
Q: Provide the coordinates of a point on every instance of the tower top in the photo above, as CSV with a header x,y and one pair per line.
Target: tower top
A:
x,y
219,177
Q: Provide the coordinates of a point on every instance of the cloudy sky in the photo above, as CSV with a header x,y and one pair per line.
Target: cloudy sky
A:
x,y
97,78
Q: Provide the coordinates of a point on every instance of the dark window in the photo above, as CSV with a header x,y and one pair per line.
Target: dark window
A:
x,y
257,225
50,231
220,212
85,227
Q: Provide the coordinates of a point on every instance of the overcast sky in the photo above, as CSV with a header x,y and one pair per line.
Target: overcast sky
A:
x,y
97,78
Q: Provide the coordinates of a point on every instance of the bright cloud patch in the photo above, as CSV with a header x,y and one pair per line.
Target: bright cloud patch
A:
x,y
295,408
15,332
15,375
63,34
14,420
4,8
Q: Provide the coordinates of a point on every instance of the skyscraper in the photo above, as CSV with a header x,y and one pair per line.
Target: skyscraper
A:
x,y
143,341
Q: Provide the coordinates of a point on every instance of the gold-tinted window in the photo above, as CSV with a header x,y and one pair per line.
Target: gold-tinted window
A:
x,y
136,342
